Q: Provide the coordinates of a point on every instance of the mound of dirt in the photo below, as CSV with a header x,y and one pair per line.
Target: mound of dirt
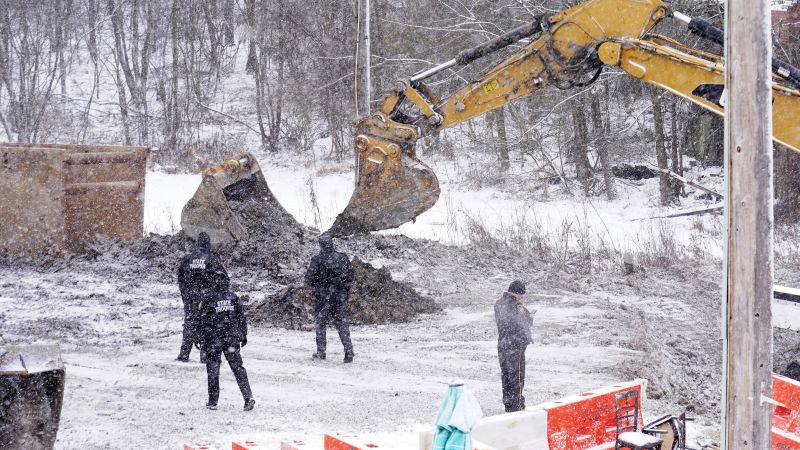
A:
x,y
275,256
267,219
375,298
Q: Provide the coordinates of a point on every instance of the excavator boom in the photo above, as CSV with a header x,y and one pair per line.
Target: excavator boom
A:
x,y
568,49
388,174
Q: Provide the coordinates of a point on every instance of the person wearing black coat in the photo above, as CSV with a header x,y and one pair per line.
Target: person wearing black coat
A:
x,y
329,276
224,329
514,323
199,274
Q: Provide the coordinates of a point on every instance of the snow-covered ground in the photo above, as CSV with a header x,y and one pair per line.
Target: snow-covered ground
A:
x,y
119,333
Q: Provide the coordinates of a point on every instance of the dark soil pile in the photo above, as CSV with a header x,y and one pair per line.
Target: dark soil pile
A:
x,y
276,255
375,298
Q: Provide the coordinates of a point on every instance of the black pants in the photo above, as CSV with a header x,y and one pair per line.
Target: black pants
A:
x,y
213,360
332,304
190,332
512,369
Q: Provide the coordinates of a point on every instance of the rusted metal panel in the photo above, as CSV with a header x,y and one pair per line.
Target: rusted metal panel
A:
x,y
31,192
59,197
108,209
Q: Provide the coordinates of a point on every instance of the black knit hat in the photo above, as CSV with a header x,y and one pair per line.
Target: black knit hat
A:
x,y
517,287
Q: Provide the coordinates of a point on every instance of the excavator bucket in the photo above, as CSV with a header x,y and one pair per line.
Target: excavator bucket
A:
x,y
226,193
31,395
392,186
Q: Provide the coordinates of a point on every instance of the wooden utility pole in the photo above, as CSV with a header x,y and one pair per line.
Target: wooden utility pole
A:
x,y
748,209
363,94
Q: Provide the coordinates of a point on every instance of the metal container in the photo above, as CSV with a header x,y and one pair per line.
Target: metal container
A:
x,y
57,198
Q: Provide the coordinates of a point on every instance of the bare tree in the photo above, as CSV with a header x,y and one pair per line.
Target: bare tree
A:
x,y
665,191
134,25
30,60
580,147
600,139
270,70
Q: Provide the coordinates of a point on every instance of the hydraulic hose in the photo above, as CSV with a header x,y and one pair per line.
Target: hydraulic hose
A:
x,y
708,31
471,54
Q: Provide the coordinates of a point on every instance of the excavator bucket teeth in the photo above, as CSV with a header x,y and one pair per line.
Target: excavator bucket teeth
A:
x,y
227,191
392,186
31,395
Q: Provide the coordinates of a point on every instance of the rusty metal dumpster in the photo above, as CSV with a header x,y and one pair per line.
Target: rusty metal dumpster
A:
x,y
56,198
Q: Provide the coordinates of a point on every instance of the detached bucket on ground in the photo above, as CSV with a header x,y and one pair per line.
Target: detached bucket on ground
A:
x,y
224,204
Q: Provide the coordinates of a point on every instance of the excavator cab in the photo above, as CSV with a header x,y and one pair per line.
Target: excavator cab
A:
x,y
229,191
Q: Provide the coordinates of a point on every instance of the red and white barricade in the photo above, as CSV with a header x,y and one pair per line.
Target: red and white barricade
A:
x,y
786,414
198,446
247,444
579,422
300,444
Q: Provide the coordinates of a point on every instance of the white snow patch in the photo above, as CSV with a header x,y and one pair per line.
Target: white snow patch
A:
x,y
621,224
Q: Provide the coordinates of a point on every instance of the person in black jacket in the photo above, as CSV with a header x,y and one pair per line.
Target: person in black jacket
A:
x,y
514,323
199,274
329,276
224,329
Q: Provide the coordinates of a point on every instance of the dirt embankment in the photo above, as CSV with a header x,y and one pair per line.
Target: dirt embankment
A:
x,y
375,298
276,255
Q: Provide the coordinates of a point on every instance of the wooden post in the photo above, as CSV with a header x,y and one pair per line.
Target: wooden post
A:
x,y
363,93
748,209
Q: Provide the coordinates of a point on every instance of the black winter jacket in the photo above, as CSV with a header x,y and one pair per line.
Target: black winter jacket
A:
x,y
514,323
200,273
329,271
222,320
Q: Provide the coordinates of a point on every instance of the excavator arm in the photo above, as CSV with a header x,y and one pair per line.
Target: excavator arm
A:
x,y
567,49
698,77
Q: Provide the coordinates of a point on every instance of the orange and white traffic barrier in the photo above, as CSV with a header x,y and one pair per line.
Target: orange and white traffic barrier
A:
x,y
578,422
587,420
781,440
198,446
245,445
299,444
349,442
521,429
390,441
786,413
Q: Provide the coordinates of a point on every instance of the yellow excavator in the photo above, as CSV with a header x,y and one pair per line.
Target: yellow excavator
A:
x,y
566,49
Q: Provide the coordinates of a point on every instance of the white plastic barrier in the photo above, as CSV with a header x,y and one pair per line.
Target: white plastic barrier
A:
x,y
521,430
